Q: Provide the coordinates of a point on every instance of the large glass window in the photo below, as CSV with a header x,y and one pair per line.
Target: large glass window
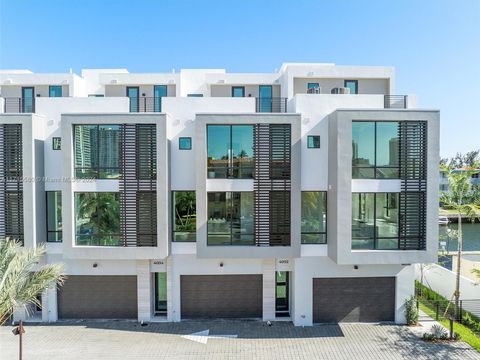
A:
x,y
230,151
55,91
184,215
97,151
375,150
375,221
161,293
54,216
230,218
97,219
314,217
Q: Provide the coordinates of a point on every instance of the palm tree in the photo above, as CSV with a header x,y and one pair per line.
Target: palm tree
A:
x,y
463,199
20,282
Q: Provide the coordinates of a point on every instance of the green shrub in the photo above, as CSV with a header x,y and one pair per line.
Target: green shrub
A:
x,y
411,311
428,337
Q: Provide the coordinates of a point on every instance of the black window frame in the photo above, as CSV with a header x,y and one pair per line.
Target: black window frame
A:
x,y
55,86
189,138
231,169
238,87
96,170
158,311
55,141
351,81
46,219
172,211
230,205
313,137
326,221
374,166
375,236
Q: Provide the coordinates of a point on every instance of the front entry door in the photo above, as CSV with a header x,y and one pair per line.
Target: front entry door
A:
x,y
281,294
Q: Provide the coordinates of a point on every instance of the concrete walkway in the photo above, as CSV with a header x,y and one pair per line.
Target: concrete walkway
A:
x,y
226,340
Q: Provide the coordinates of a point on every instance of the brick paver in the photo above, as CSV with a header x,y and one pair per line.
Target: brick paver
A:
x,y
130,340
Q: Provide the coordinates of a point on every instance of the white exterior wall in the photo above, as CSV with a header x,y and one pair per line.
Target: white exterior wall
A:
x,y
442,281
179,114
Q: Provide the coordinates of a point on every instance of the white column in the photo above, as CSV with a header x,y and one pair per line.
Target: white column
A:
x,y
268,289
404,288
172,315
144,290
49,305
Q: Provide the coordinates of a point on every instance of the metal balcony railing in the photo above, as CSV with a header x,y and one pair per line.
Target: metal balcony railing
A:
x,y
19,105
395,101
145,104
271,105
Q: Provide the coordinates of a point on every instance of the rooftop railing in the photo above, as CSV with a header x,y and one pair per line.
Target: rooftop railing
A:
x,y
395,101
271,105
19,105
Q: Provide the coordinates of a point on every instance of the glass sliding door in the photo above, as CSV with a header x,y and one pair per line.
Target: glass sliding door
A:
x,y
159,91
28,99
133,93
265,98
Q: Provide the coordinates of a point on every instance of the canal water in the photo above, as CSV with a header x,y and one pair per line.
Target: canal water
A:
x,y
471,241
471,237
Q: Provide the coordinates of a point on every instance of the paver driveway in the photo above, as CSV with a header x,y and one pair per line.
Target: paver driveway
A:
x,y
129,340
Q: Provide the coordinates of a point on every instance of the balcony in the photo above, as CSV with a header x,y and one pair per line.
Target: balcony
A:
x,y
271,105
395,101
18,105
145,104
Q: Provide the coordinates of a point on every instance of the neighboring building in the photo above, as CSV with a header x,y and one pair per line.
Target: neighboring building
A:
x,y
304,194
443,182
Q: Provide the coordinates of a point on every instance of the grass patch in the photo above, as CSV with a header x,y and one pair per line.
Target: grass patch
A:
x,y
467,335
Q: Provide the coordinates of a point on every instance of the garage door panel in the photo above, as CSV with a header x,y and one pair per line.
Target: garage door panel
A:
x,y
354,299
98,297
221,296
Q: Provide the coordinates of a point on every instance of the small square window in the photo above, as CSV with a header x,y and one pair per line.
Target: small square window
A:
x,y
313,141
57,143
185,143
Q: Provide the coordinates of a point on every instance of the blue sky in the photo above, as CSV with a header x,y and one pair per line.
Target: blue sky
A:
x,y
434,44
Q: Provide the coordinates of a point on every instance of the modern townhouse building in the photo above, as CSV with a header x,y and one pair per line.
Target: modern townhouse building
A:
x,y
305,194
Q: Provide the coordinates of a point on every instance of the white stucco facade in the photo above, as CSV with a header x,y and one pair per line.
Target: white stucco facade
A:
x,y
194,99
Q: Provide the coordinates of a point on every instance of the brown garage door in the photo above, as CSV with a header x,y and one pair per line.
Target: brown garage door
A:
x,y
221,296
98,297
354,299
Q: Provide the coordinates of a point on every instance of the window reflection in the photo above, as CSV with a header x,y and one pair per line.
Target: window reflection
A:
x,y
314,217
97,219
230,151
184,215
375,150
230,218
375,220
97,151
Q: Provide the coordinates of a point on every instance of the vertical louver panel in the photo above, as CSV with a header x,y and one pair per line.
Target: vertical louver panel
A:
x,y
279,218
11,173
413,175
272,184
146,223
138,212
